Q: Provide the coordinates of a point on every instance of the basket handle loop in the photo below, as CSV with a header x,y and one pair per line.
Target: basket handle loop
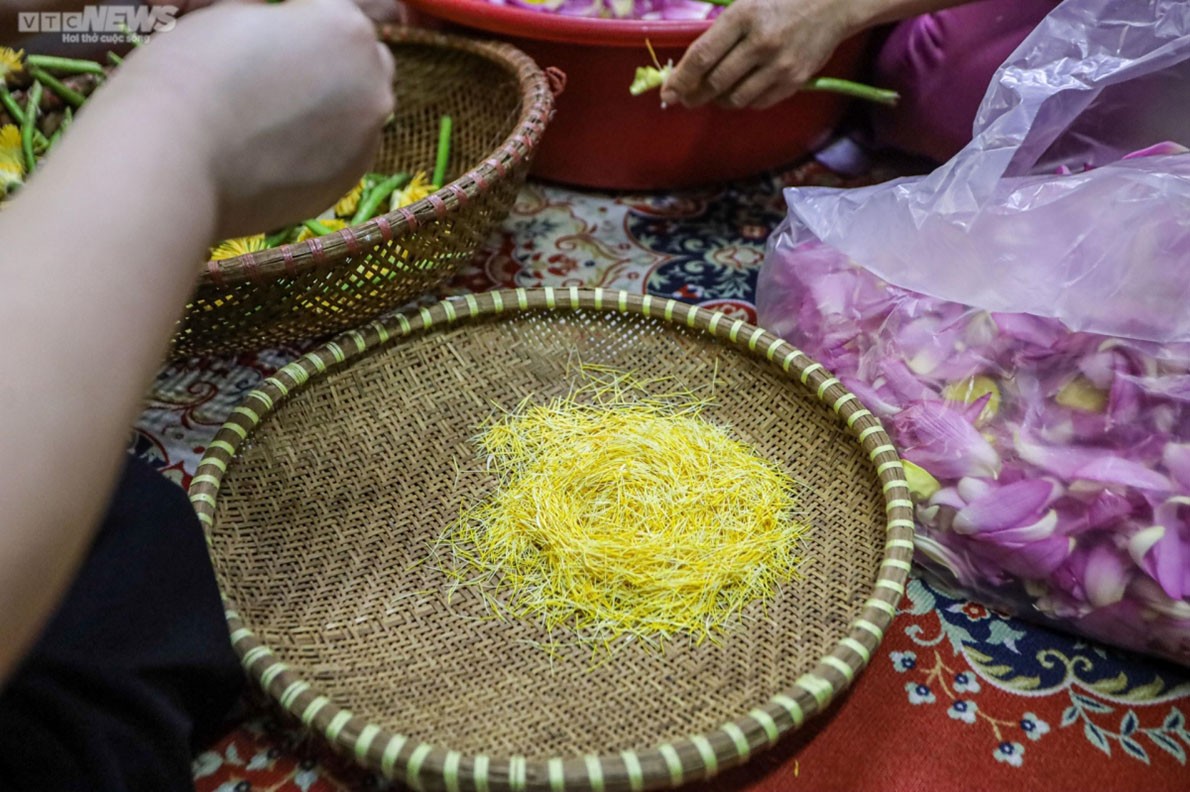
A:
x,y
557,80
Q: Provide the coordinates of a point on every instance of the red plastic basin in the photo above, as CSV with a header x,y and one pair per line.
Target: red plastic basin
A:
x,y
605,138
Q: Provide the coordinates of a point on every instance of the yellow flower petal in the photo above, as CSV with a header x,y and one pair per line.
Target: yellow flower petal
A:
x,y
10,146
12,162
11,62
230,248
417,189
350,202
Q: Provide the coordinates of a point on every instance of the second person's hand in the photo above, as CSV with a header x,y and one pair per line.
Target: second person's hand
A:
x,y
758,52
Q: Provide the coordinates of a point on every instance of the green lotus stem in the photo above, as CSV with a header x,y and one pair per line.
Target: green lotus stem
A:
x,y
11,105
723,3
68,94
32,106
315,227
67,119
371,200
65,65
445,126
278,238
14,109
132,37
849,88
114,59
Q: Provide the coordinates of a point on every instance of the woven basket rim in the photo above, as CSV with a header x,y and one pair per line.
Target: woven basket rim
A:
x,y
423,765
538,88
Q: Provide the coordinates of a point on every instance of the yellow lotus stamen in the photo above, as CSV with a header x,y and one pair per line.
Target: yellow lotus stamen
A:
x,y
622,513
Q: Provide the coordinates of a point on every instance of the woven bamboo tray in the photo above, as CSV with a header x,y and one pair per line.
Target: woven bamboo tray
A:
x,y
322,492
501,103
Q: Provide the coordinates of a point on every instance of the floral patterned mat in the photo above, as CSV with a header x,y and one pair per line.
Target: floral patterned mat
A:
x,y
958,697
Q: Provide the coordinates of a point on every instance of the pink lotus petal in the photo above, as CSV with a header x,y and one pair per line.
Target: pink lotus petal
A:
x,y
1155,598
1106,509
1042,528
940,439
1074,463
1157,150
1176,458
904,383
872,398
1031,329
1028,561
1106,575
1005,507
1143,541
1171,553
1061,460
1124,400
944,559
948,496
971,488
1162,550
1114,469
1175,387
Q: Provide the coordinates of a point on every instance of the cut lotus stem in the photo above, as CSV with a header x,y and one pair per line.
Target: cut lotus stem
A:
x,y
114,59
281,237
869,93
315,227
13,108
65,65
67,120
67,94
445,127
32,107
372,199
132,37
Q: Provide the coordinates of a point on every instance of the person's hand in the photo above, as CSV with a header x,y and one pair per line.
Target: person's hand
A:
x,y
758,52
287,102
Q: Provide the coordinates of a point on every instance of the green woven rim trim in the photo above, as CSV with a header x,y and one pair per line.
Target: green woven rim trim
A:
x,y
701,755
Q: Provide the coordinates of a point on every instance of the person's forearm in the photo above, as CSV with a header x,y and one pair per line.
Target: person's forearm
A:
x,y
864,14
97,256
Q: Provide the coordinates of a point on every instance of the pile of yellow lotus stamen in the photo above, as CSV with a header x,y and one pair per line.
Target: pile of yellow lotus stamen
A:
x,y
624,514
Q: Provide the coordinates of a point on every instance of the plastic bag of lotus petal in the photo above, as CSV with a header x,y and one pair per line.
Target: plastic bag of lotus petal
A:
x,y
1020,320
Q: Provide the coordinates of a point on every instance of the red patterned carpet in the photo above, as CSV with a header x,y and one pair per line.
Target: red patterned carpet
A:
x,y
957,698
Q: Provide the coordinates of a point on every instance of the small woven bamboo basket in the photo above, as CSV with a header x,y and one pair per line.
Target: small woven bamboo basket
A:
x,y
324,490
501,103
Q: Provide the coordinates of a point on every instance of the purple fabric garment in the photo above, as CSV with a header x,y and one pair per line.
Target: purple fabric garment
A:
x,y
942,63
